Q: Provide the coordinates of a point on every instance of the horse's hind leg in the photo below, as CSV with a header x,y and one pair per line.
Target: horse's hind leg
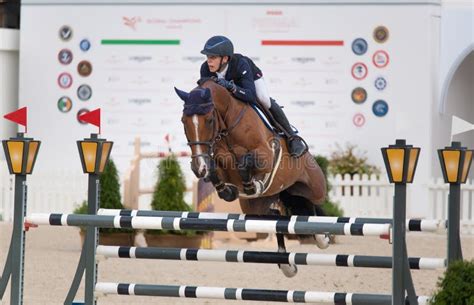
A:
x,y
288,270
297,205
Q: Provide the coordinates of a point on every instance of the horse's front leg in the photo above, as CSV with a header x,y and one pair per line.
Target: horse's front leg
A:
x,y
225,191
246,166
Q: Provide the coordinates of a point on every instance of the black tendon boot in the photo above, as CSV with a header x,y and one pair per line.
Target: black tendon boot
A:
x,y
296,146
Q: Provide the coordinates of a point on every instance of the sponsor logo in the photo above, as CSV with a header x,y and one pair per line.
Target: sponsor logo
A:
x,y
84,92
303,103
64,104
359,95
359,46
380,59
194,59
79,113
303,60
331,61
85,45
381,34
331,81
274,12
65,56
358,120
65,80
84,68
131,22
140,59
359,71
380,108
380,83
65,33
139,101
113,121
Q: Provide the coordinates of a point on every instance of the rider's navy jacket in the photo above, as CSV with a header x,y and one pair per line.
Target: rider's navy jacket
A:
x,y
243,72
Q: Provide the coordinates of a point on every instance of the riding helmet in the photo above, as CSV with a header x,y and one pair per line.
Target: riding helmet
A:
x,y
218,46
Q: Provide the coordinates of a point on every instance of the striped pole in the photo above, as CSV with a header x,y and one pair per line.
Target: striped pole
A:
x,y
415,225
241,256
291,296
230,225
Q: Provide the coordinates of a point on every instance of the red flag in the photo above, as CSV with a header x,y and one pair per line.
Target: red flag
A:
x,y
92,117
18,116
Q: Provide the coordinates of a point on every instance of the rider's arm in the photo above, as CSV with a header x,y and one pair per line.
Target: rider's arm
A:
x,y
245,86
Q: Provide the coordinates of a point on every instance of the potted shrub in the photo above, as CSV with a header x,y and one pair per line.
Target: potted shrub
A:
x,y
457,286
109,199
169,196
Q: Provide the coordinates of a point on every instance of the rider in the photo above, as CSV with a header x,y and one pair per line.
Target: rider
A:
x,y
240,75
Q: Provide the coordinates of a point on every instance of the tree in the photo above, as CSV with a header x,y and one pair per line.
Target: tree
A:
x,y
170,188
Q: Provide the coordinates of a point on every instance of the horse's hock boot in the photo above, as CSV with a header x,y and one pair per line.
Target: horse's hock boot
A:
x,y
295,144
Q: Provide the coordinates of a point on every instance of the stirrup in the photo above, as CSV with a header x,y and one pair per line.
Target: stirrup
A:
x,y
293,137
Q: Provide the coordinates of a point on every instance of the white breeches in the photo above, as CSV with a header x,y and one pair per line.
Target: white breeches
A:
x,y
263,98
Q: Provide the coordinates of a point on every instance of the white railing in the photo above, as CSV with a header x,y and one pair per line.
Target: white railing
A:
x,y
58,191
439,200
365,196
6,192
360,196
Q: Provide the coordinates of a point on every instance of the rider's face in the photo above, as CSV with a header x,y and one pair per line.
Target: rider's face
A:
x,y
215,61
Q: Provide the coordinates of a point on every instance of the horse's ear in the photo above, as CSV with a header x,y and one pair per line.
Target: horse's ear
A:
x,y
206,94
182,95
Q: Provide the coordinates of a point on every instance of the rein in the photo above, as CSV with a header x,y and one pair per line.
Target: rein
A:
x,y
218,132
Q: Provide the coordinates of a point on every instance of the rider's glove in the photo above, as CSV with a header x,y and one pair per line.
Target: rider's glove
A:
x,y
229,85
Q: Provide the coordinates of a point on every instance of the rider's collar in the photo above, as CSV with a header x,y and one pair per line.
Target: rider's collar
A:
x,y
223,72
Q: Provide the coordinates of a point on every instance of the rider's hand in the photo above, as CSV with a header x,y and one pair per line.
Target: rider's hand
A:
x,y
229,85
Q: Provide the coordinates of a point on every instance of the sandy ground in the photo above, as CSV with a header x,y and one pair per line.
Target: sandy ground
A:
x,y
52,254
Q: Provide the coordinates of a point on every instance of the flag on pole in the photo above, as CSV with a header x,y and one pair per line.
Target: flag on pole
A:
x,y
19,116
92,117
459,126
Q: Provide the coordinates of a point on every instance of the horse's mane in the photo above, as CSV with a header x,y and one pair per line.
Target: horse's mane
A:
x,y
219,93
203,80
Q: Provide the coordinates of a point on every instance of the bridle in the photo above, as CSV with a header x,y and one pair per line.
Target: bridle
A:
x,y
218,133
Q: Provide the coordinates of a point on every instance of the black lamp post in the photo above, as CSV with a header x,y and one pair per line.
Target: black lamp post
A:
x,y
94,153
400,161
455,164
21,156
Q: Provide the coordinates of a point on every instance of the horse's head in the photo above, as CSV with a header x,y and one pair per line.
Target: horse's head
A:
x,y
200,128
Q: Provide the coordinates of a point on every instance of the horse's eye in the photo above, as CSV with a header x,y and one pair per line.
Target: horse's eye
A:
x,y
209,121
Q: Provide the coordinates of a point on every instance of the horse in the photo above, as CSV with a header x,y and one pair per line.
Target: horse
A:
x,y
232,148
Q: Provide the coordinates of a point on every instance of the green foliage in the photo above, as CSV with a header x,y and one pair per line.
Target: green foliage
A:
x,y
348,161
457,287
169,191
109,195
81,209
330,208
110,188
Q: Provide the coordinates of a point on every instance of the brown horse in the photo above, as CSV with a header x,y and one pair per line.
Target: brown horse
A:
x,y
232,148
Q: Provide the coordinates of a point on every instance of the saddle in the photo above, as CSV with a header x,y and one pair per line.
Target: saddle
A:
x,y
269,121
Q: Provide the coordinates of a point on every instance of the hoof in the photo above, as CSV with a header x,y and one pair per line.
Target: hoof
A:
x,y
322,241
288,270
229,193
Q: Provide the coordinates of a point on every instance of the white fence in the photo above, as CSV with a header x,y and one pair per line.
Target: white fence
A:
x,y
365,196
360,196
58,191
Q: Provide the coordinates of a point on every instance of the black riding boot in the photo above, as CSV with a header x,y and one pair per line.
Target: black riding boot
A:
x,y
296,146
